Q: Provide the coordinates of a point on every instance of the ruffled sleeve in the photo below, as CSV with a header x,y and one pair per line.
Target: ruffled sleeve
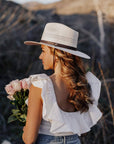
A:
x,y
94,113
40,81
95,84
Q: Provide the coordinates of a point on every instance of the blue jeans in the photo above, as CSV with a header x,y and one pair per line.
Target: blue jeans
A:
x,y
48,139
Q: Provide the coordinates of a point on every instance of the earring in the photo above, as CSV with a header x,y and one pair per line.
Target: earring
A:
x,y
56,59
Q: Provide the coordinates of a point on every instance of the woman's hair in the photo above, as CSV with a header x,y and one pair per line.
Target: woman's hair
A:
x,y
72,71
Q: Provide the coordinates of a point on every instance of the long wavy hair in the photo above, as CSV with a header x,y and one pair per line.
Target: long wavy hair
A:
x,y
73,71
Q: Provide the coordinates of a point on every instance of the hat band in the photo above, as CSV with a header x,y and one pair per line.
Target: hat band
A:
x,y
60,45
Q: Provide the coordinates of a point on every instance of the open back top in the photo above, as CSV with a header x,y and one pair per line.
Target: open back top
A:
x,y
55,121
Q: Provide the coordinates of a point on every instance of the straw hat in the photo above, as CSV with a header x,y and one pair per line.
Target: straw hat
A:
x,y
61,37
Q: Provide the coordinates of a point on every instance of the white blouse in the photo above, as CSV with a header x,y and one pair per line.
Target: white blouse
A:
x,y
55,121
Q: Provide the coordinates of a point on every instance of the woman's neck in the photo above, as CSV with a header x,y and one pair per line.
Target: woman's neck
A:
x,y
57,70
58,80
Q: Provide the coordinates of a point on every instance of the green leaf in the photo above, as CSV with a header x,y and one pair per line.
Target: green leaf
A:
x,y
20,111
23,116
11,118
15,111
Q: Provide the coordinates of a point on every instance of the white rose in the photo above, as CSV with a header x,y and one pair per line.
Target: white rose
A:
x,y
10,97
16,85
25,83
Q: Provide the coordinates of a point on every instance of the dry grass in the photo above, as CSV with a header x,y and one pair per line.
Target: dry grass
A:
x,y
107,91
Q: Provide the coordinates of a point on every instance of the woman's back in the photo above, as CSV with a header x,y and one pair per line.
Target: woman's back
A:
x,y
61,93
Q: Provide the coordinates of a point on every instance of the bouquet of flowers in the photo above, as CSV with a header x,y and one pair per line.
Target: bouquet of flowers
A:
x,y
18,91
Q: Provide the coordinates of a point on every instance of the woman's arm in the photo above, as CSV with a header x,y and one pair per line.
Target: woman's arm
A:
x,y
34,115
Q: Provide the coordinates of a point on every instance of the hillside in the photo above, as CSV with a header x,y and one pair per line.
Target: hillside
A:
x,y
69,7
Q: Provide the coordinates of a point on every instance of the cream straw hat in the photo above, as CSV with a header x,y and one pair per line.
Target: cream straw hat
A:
x,y
61,37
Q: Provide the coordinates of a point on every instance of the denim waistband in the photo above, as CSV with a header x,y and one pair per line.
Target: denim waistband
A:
x,y
59,138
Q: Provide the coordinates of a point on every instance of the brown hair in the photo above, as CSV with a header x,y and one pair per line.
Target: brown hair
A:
x,y
73,71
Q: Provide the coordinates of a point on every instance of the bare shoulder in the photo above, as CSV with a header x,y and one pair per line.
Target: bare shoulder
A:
x,y
35,92
35,89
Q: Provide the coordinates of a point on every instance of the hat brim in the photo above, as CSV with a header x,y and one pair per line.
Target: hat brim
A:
x,y
77,53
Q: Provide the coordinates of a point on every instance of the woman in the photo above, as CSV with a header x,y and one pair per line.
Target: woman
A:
x,y
64,105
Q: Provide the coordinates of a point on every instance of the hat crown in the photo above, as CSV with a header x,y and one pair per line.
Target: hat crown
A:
x,y
60,33
61,37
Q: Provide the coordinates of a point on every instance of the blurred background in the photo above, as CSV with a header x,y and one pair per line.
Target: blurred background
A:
x,y
22,20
